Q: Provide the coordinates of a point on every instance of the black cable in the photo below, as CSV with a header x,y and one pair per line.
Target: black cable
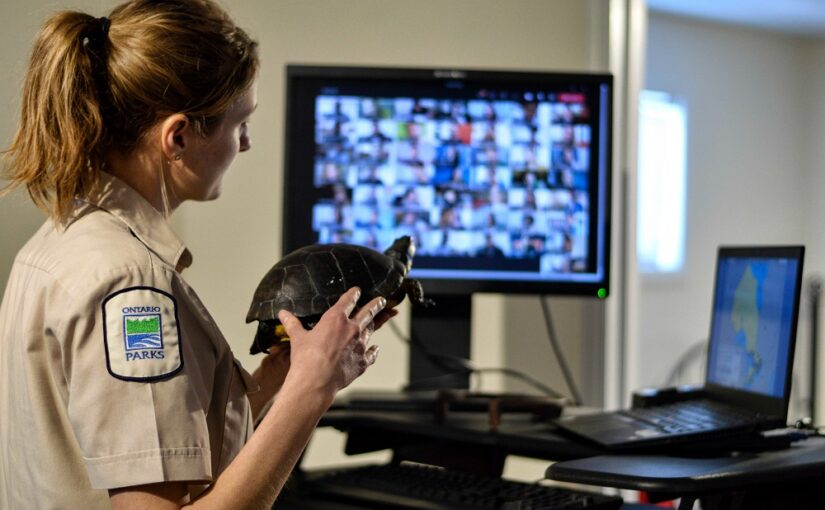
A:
x,y
456,363
462,365
565,369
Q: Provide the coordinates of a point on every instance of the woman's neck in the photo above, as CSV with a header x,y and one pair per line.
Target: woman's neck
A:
x,y
145,172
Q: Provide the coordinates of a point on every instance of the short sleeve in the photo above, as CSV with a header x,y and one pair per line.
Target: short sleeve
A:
x,y
139,412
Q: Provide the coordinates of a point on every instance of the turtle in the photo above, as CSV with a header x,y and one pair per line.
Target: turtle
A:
x,y
309,280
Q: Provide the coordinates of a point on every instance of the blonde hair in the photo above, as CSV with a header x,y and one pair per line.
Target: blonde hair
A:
x,y
97,84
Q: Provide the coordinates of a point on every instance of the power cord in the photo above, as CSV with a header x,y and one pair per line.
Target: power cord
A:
x,y
457,364
565,368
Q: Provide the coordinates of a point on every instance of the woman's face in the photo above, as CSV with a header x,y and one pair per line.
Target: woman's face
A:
x,y
206,160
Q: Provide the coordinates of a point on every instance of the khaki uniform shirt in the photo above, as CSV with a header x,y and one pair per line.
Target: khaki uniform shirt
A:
x,y
112,372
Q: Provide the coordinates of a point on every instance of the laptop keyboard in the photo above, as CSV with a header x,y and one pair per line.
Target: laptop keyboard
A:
x,y
692,416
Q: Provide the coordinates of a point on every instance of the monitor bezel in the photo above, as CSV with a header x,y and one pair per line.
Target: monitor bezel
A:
x,y
597,287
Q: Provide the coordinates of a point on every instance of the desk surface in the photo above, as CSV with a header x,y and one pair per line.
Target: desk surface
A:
x,y
682,475
516,435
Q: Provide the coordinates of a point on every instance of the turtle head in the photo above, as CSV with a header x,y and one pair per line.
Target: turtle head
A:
x,y
402,249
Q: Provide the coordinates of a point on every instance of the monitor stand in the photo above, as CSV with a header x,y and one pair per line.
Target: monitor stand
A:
x,y
442,329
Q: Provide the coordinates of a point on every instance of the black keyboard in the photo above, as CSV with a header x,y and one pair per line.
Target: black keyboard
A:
x,y
692,416
419,487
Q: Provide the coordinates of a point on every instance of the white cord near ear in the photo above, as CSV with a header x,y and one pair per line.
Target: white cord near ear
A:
x,y
164,195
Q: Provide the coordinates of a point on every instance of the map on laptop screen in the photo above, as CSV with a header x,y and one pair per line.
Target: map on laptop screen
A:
x,y
752,324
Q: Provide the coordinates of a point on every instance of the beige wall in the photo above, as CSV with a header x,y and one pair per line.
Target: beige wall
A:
x,y
18,217
236,239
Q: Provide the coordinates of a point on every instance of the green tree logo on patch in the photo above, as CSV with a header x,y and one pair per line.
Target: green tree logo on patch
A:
x,y
142,331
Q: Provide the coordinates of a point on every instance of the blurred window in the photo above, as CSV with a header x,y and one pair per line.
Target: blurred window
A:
x,y
662,183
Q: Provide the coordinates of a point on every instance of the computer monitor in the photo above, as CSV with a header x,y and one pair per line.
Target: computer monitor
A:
x,y
501,178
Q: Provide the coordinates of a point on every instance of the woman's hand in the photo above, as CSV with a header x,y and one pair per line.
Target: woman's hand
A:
x,y
274,367
336,351
383,316
270,376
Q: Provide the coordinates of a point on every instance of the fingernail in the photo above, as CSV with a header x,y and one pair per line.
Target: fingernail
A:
x,y
382,302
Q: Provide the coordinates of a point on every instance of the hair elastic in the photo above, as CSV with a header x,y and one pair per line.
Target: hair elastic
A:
x,y
94,39
103,24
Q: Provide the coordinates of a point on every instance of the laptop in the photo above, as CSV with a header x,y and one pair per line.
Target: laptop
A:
x,y
749,363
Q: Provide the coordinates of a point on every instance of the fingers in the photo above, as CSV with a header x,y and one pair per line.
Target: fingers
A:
x,y
383,316
371,355
353,326
336,349
366,314
278,348
365,334
291,324
348,301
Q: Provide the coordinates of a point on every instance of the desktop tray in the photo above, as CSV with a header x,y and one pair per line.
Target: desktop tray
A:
x,y
442,404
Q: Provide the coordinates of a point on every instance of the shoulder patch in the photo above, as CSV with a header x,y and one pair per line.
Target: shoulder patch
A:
x,y
141,334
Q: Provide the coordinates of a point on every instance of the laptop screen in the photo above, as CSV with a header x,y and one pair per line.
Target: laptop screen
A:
x,y
754,322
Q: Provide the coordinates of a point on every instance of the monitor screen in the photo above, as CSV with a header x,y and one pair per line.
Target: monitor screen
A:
x,y
502,179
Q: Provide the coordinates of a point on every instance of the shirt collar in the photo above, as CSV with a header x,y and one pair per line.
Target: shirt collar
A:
x,y
146,223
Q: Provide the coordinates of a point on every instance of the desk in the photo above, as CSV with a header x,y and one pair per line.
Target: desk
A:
x,y
782,479
464,441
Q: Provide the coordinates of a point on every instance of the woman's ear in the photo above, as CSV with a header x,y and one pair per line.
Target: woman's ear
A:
x,y
174,131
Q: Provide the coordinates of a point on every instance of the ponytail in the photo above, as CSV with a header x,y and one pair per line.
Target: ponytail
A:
x,y
92,88
56,152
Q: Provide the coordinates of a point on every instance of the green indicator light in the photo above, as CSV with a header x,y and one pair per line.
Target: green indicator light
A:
x,y
602,293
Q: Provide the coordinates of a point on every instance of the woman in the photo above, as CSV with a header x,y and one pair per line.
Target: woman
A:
x,y
116,387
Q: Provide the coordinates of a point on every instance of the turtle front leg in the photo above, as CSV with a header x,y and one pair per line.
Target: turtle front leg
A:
x,y
280,333
415,291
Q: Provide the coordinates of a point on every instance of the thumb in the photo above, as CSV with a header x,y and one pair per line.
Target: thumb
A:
x,y
292,324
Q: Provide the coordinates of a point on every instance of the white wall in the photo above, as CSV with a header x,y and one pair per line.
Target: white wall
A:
x,y
751,131
236,239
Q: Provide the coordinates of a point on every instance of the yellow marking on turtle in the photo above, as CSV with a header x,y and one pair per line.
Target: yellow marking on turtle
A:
x,y
281,334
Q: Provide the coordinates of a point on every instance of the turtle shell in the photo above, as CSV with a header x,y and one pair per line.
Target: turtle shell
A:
x,y
310,280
